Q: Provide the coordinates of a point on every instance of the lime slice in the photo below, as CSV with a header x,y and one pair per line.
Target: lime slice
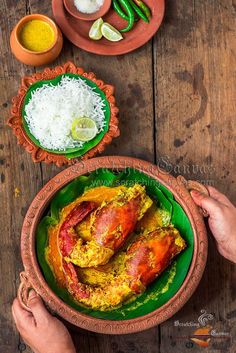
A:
x,y
95,31
110,32
84,129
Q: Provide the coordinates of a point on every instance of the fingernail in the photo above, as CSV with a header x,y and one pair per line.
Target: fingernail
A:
x,y
195,193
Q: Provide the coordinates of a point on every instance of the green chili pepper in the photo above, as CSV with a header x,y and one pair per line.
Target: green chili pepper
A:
x,y
130,12
139,11
119,10
144,8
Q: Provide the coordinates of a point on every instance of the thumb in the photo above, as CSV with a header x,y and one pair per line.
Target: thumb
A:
x,y
206,202
37,307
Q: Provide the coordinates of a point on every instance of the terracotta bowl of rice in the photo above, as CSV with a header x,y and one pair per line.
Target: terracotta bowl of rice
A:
x,y
63,115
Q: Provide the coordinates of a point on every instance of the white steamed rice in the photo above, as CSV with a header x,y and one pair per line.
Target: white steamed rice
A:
x,y
52,109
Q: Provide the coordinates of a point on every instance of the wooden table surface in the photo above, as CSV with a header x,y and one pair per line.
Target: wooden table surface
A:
x,y
177,109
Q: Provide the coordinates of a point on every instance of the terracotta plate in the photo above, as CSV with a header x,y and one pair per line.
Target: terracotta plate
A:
x,y
77,31
39,154
33,277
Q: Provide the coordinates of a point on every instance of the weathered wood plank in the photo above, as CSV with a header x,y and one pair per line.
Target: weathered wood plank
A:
x,y
17,171
195,115
143,342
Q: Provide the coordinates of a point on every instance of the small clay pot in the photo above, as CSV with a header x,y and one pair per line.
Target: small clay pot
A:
x,y
73,11
34,58
33,278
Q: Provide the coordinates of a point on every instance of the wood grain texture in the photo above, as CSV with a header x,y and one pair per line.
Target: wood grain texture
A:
x,y
194,61
17,172
184,81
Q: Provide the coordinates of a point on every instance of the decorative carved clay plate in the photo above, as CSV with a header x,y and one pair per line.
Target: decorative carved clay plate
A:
x,y
16,122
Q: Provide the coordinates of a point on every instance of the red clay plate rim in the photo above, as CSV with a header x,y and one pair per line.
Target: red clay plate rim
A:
x,y
88,45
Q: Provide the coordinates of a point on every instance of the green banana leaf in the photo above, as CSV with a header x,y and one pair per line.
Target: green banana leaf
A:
x,y
76,151
166,285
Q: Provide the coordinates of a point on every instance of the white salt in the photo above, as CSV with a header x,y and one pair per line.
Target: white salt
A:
x,y
88,6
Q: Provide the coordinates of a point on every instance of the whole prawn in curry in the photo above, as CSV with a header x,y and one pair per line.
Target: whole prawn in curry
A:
x,y
110,244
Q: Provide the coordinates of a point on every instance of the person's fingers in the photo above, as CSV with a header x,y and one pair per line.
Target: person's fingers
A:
x,y
217,195
39,311
208,203
21,316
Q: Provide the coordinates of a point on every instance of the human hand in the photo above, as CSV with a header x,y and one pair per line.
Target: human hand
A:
x,y
222,220
39,329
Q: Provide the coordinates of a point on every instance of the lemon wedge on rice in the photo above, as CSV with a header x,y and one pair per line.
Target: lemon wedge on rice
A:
x,y
84,129
110,32
95,31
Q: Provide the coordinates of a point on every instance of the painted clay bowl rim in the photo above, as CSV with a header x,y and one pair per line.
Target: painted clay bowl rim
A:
x,y
40,155
37,281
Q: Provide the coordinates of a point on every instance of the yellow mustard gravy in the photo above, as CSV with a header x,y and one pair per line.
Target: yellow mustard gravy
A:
x,y
108,285
37,36
153,295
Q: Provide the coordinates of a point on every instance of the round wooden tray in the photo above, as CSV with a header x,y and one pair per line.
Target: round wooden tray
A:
x,y
77,31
